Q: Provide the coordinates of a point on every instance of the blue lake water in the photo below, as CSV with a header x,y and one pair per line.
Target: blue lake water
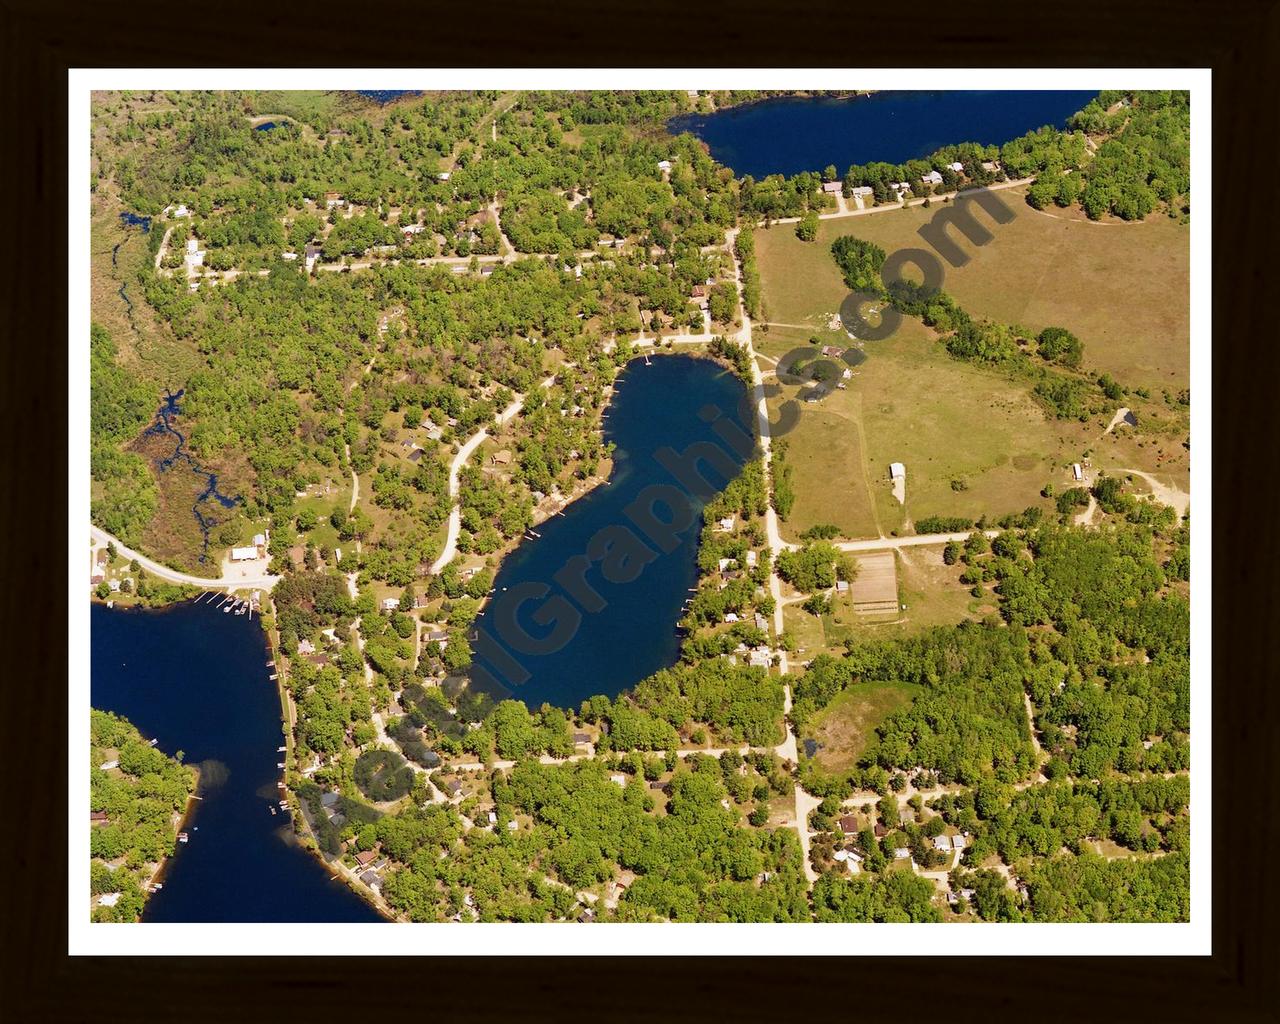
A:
x,y
655,407
787,136
196,679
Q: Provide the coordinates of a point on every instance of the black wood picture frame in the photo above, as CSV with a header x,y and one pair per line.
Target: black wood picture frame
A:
x,y
1238,39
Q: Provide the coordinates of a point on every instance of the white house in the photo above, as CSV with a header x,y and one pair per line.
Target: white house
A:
x,y
901,186
726,524
833,188
862,190
246,554
390,604
664,166
181,211
288,255
108,899
897,471
1076,471
443,176
942,843
957,166
932,178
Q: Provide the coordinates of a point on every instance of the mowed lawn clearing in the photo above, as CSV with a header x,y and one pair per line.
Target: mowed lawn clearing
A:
x,y
1123,288
844,727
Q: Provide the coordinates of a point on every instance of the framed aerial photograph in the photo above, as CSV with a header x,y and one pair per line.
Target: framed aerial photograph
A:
x,y
616,509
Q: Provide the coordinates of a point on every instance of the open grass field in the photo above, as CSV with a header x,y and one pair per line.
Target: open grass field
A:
x,y
945,420
844,727
1124,289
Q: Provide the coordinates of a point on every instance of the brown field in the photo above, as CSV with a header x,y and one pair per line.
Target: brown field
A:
x,y
946,420
973,440
1124,289
146,345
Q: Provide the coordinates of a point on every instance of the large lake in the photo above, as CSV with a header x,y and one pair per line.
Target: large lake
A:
x,y
664,405
197,680
787,136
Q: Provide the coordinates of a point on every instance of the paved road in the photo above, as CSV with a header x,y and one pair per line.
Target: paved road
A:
x,y
263,582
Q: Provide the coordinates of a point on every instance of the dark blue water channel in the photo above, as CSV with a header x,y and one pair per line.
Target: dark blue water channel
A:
x,y
196,679
787,136
607,646
167,413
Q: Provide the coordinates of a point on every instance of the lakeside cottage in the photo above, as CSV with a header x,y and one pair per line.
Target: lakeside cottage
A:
x,y
932,178
862,191
833,188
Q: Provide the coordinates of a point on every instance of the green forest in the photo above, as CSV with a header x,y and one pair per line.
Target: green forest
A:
x,y
136,795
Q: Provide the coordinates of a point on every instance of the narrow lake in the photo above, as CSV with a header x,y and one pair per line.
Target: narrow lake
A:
x,y
787,136
197,680
582,646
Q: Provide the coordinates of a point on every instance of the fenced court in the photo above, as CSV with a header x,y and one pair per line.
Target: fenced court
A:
x,y
875,588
